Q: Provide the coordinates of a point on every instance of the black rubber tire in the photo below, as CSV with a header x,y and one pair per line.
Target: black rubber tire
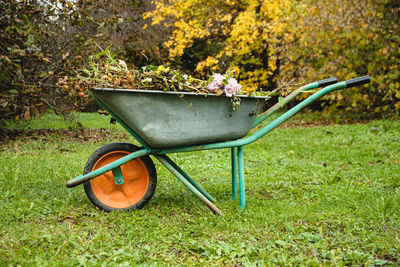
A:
x,y
120,147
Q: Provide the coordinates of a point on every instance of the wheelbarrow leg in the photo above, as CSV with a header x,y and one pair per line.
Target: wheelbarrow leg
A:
x,y
241,178
163,159
187,177
234,172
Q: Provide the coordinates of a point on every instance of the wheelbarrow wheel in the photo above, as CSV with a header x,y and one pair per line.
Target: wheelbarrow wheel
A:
x,y
139,179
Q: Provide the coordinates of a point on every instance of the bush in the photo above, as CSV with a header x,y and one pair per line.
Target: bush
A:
x,y
41,42
343,39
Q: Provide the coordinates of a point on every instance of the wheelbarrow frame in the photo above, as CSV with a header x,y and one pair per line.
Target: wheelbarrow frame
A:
x,y
236,146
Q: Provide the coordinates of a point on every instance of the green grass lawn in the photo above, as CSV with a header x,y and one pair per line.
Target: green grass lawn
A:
x,y
325,195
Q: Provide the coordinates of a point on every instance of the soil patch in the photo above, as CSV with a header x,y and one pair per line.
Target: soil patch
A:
x,y
83,135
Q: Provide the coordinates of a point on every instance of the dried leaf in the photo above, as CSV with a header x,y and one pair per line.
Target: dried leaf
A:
x,y
219,92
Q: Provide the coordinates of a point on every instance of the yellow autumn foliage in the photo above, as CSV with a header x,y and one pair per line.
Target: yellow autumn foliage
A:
x,y
244,34
275,43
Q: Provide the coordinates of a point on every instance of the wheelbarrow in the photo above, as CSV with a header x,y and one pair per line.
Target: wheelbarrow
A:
x,y
122,176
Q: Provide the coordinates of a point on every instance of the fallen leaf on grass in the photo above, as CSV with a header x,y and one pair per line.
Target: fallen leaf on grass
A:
x,y
68,219
343,167
376,162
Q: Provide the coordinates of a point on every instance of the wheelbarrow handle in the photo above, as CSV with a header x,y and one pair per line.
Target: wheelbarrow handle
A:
x,y
272,125
358,81
291,96
326,82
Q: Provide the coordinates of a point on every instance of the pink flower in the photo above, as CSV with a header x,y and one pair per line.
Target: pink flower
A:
x,y
232,87
216,83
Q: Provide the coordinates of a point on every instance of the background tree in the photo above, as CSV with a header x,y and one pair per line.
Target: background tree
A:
x,y
344,39
276,43
42,41
211,36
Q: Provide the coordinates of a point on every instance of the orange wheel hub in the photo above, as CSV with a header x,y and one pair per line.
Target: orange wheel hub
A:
x,y
136,182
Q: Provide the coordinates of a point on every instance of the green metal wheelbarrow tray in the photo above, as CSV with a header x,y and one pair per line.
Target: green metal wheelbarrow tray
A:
x,y
121,176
